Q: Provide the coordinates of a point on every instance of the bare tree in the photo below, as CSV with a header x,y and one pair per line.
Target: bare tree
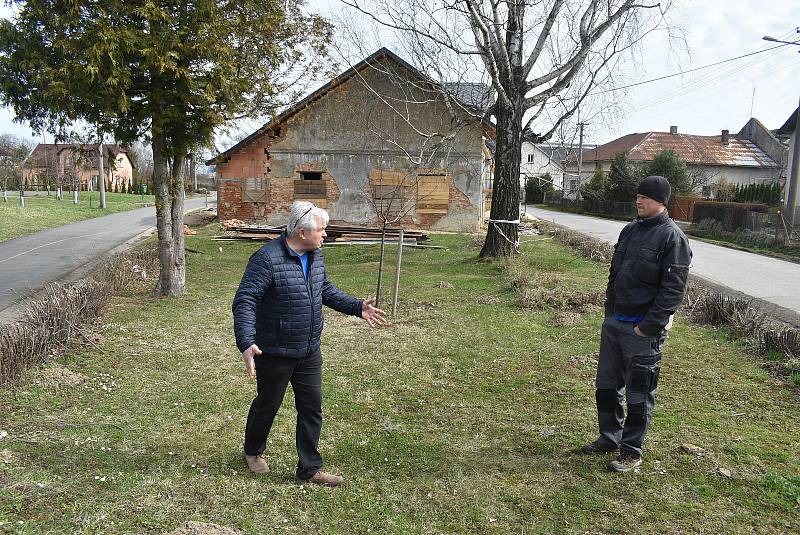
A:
x,y
699,178
13,152
542,58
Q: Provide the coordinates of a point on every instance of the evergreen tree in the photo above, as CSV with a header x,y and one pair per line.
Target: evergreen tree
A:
x,y
595,189
623,179
171,71
667,164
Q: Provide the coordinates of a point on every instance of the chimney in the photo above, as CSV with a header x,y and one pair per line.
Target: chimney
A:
x,y
726,136
673,130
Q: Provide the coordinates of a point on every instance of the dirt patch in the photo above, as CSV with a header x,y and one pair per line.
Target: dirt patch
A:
x,y
200,218
204,528
488,300
57,375
584,360
445,285
565,319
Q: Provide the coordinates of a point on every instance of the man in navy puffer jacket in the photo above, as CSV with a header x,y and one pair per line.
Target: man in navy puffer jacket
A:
x,y
277,319
646,284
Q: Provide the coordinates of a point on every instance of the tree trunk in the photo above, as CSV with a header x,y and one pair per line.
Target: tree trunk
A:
x,y
101,178
501,238
380,266
169,220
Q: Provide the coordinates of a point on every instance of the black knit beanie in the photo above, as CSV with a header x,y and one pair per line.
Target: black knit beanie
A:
x,y
656,187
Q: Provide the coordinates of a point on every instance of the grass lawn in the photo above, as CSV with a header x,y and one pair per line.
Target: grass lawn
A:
x,y
43,212
464,416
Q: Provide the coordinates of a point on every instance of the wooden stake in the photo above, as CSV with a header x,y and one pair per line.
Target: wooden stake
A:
x,y
397,273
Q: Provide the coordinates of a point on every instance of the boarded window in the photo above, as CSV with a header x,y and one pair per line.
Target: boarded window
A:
x,y
254,189
312,187
391,191
311,175
433,194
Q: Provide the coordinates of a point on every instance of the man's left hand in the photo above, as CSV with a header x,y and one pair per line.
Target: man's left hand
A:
x,y
639,332
373,316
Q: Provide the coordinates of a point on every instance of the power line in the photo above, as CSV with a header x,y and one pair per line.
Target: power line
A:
x,y
710,81
690,70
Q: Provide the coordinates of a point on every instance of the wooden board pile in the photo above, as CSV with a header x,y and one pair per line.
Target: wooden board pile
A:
x,y
337,233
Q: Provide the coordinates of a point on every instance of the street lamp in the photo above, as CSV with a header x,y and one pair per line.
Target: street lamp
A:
x,y
794,173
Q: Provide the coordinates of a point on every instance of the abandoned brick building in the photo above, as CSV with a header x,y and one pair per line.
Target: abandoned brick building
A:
x,y
379,141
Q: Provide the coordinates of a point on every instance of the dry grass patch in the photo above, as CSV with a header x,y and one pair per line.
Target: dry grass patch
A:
x,y
545,290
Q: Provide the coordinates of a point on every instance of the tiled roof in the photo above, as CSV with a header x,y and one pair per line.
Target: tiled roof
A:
x,y
48,152
692,149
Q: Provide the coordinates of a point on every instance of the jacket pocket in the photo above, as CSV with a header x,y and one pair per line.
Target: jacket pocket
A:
x,y
647,269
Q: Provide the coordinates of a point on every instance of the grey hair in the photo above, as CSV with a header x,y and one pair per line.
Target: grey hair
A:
x,y
304,215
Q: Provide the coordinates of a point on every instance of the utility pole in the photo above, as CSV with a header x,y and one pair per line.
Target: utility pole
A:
x,y
794,172
580,158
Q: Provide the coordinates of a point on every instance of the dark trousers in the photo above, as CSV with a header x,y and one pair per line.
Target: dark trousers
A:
x,y
628,366
273,374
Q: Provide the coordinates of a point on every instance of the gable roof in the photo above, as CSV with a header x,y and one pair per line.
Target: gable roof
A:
x,y
469,91
44,153
789,126
692,149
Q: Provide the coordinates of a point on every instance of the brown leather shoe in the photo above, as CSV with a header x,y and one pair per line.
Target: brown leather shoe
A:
x,y
325,479
257,464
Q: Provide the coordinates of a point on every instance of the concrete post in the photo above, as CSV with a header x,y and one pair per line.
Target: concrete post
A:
x,y
794,175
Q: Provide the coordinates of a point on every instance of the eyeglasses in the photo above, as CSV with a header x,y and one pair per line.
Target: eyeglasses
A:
x,y
301,218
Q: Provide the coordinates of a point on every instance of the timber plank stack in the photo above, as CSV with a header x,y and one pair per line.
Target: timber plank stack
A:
x,y
236,229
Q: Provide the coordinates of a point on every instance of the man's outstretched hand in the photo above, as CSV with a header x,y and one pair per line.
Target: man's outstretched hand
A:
x,y
373,316
249,363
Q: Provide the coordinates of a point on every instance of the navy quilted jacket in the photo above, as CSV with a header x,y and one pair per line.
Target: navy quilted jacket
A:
x,y
277,309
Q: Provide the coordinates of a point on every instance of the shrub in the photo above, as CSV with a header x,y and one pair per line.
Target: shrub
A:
x,y
63,316
732,215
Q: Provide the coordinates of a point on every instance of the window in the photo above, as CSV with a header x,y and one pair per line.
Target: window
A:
x,y
311,186
254,189
390,192
310,175
530,158
433,193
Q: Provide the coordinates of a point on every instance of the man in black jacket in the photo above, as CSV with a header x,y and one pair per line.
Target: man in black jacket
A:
x,y
277,319
646,285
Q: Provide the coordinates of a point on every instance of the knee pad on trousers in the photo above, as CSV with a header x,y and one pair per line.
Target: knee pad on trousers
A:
x,y
607,399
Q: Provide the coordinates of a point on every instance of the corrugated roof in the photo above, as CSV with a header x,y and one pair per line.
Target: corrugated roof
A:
x,y
692,149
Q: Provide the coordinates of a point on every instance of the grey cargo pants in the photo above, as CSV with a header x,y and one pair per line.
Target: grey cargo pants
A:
x,y
628,365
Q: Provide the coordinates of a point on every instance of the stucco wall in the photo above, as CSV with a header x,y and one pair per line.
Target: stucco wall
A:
x,y
541,164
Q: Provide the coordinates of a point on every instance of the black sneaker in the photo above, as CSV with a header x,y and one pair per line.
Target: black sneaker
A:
x,y
625,462
595,447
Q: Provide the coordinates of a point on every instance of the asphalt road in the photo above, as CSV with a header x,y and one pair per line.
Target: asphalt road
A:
x,y
28,264
768,279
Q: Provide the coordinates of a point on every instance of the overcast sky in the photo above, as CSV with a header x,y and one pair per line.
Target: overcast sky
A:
x,y
701,102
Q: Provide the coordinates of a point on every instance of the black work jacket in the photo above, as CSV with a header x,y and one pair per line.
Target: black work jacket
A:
x,y
649,272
